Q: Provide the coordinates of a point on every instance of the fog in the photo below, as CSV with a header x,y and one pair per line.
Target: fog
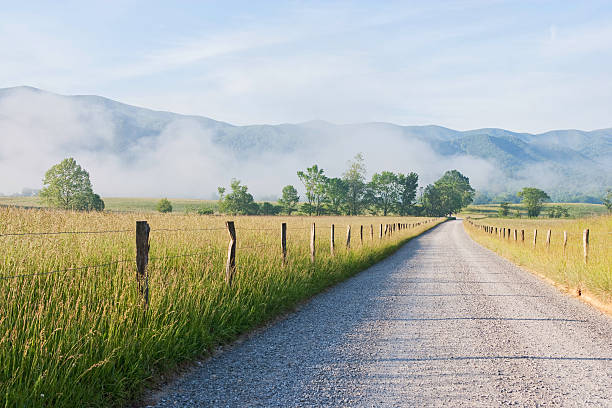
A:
x,y
39,129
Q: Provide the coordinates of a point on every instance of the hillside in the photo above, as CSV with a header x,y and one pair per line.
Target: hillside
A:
x,y
114,135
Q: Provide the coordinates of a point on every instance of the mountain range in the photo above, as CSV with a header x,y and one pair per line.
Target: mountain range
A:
x,y
563,161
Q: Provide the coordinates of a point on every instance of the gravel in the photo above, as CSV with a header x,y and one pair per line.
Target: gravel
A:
x,y
441,322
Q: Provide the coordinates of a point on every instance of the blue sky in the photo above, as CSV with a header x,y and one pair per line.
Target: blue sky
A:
x,y
525,66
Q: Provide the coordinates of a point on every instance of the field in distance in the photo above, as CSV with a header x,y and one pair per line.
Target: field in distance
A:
x,y
576,210
119,203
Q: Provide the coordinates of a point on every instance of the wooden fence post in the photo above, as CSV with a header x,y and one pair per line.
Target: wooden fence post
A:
x,y
372,232
564,241
535,237
522,236
585,244
312,242
230,266
332,242
515,235
548,238
348,237
381,232
361,235
284,242
142,259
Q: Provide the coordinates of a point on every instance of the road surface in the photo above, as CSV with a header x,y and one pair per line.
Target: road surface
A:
x,y
441,322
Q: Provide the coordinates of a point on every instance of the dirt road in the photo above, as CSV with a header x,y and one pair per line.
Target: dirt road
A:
x,y
441,322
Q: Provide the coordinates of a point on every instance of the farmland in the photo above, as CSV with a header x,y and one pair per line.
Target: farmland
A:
x,y
575,210
75,329
563,264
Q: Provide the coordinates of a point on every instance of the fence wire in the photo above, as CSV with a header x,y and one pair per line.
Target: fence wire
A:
x,y
77,268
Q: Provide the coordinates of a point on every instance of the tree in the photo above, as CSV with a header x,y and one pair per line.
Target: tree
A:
x,y
448,195
164,206
407,187
504,209
556,211
533,199
607,200
383,191
67,186
314,182
354,177
267,208
289,199
239,201
336,192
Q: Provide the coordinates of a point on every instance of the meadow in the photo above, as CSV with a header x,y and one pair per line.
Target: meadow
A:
x,y
74,330
576,210
563,264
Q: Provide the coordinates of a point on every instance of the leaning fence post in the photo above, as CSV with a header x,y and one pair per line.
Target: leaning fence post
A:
x,y
332,240
348,237
284,242
312,242
230,266
142,259
535,237
585,244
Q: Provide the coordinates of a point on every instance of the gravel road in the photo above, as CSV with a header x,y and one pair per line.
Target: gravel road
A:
x,y
443,322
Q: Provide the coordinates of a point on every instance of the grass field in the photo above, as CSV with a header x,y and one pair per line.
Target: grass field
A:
x,y
576,210
81,337
119,204
564,266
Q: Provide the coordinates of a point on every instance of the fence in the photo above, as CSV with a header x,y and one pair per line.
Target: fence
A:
x,y
362,235
518,236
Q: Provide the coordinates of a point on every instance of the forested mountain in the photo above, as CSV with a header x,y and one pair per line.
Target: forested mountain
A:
x,y
560,160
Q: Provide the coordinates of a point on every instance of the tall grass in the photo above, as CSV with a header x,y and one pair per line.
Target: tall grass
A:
x,y
564,266
82,337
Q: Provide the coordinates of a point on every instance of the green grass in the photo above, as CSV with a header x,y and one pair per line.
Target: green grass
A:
x,y
576,210
82,338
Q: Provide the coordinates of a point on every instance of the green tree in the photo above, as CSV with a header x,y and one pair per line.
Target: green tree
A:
x,y
354,177
336,193
67,186
289,199
383,191
267,208
164,206
314,182
556,211
448,195
239,201
407,187
607,200
504,209
533,198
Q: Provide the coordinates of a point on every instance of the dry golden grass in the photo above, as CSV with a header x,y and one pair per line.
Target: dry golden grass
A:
x,y
565,266
82,338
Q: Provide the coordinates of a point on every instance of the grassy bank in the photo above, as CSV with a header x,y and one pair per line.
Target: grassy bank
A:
x,y
81,337
564,265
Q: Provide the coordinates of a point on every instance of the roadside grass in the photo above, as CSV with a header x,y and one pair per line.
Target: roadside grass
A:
x,y
576,210
82,338
566,266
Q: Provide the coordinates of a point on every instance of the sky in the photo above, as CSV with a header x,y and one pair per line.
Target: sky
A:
x,y
527,66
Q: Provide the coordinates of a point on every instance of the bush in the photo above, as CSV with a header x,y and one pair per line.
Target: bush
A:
x,y
164,206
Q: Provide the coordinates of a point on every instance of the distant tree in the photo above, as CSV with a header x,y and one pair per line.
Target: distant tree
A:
x,y
336,194
67,186
556,211
607,200
383,191
354,177
289,199
164,206
314,182
517,213
267,208
533,198
407,186
239,201
504,209
448,195
205,210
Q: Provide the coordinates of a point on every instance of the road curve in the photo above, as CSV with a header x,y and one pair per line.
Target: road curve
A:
x,y
441,322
